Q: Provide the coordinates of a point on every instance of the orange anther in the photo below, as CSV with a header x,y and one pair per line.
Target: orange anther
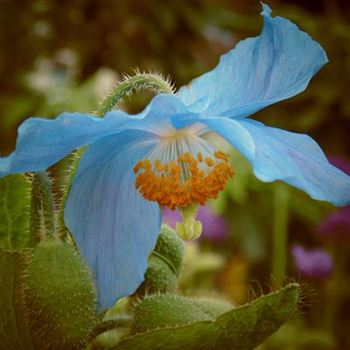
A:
x,y
221,155
175,184
209,161
158,165
137,167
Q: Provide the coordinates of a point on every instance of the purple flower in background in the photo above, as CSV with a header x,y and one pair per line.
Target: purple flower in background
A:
x,y
336,225
170,217
312,262
215,227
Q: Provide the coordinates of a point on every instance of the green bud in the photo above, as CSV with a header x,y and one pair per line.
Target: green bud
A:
x,y
159,278
167,310
170,247
164,265
59,297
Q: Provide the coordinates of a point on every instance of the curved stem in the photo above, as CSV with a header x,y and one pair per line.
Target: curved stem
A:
x,y
150,81
42,218
61,227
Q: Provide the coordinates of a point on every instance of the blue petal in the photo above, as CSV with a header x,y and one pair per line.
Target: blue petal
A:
x,y
114,227
281,155
260,71
43,142
156,117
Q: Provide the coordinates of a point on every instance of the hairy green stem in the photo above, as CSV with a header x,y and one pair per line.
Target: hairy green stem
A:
x,y
42,218
280,233
149,81
75,159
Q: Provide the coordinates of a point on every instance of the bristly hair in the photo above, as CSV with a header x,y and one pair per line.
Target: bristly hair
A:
x,y
129,84
308,293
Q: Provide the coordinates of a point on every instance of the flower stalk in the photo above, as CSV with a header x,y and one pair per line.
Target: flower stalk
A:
x,y
154,82
42,218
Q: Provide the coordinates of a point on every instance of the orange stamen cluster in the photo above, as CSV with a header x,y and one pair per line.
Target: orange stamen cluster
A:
x,y
167,185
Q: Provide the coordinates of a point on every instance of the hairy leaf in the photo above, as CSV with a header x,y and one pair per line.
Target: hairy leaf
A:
x,y
242,328
14,213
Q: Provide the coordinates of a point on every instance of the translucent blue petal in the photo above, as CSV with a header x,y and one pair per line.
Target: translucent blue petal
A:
x,y
281,155
156,117
42,142
114,226
260,71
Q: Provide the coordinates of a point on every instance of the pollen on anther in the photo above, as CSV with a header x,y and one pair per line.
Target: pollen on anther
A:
x,y
184,181
209,161
221,155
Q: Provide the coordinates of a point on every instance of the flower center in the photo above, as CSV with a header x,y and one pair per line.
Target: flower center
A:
x,y
182,171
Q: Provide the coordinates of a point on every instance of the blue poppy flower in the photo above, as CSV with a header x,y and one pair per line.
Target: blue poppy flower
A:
x,y
162,151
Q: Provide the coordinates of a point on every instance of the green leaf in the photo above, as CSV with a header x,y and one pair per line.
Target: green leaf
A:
x,y
242,328
248,326
167,310
14,333
14,213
